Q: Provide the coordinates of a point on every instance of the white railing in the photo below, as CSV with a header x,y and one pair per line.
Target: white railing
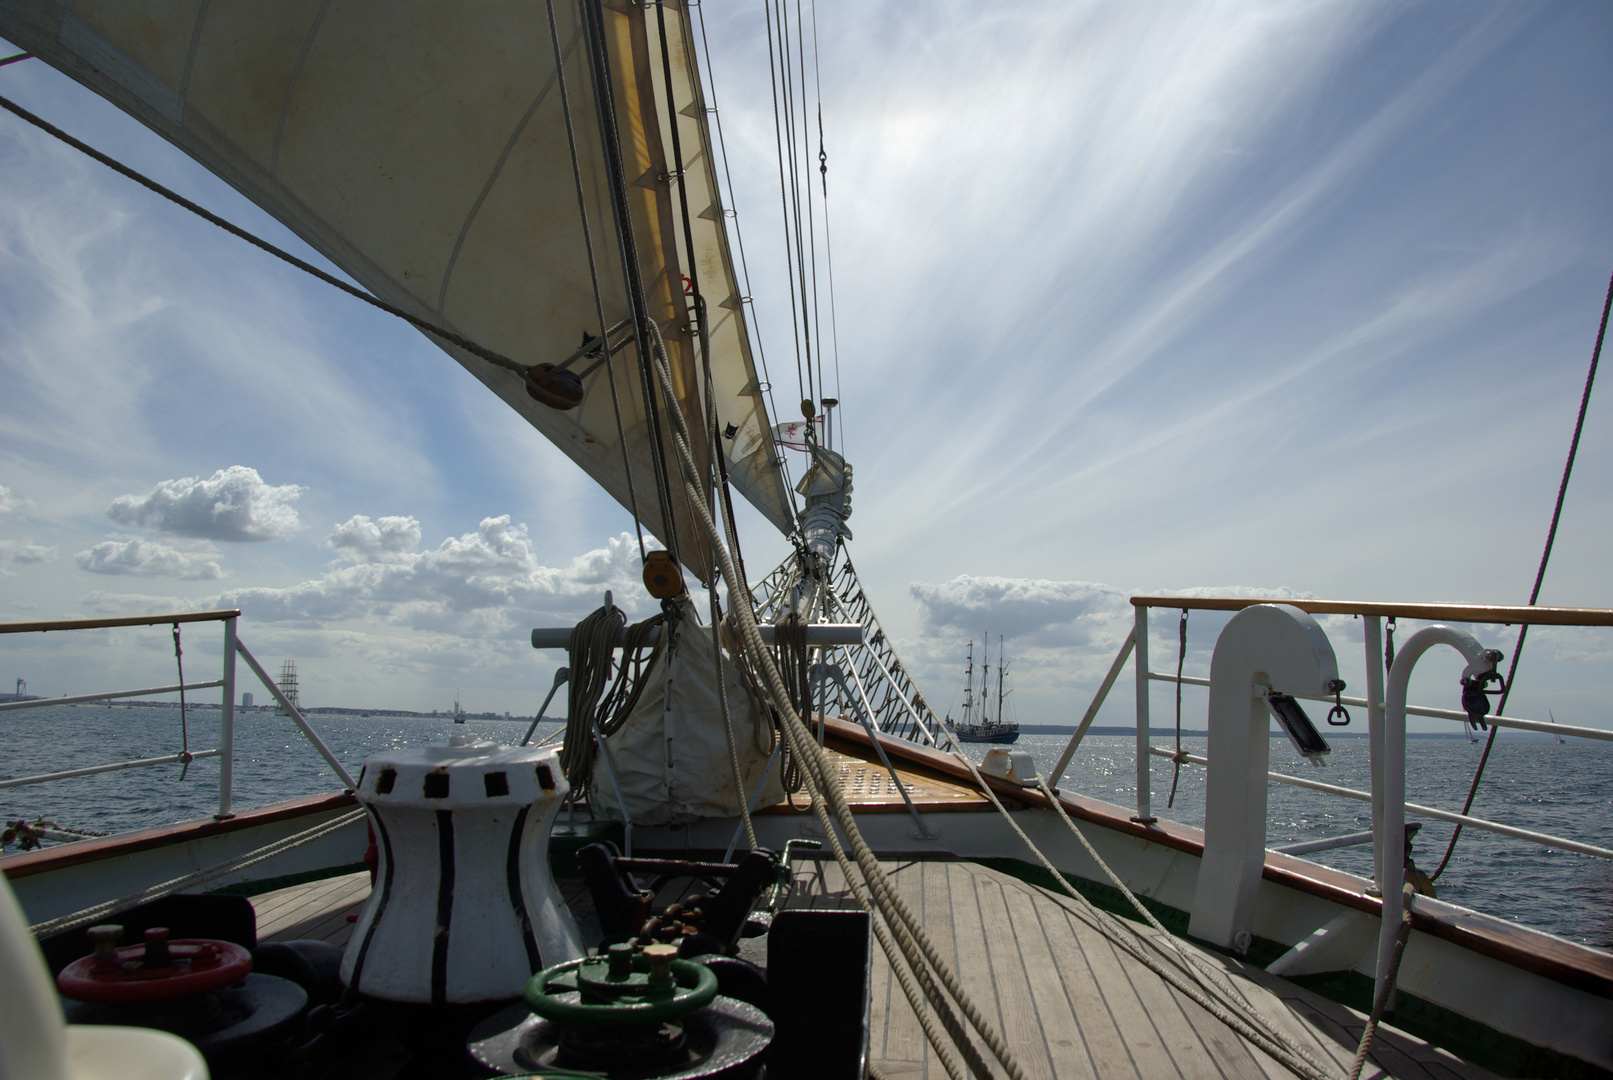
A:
x,y
1372,615
225,752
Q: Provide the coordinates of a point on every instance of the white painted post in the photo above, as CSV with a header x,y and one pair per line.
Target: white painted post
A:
x,y
1263,648
226,727
1372,634
1145,812
1392,845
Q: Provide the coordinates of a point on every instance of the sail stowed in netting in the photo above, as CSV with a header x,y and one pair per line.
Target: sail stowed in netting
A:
x,y
424,149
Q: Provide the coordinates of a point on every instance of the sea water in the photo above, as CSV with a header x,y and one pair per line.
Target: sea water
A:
x,y
1562,789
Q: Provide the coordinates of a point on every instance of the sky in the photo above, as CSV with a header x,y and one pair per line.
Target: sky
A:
x,y
1285,300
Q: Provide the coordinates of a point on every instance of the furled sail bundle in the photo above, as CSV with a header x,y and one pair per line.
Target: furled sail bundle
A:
x,y
438,155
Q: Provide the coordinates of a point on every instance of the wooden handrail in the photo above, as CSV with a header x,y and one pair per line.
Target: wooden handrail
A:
x,y
123,620
1471,613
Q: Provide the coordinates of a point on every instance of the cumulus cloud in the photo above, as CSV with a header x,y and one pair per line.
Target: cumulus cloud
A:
x,y
482,582
389,539
12,504
232,505
1034,610
25,551
148,558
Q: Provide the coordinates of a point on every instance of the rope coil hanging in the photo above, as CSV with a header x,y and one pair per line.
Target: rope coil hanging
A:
x,y
594,698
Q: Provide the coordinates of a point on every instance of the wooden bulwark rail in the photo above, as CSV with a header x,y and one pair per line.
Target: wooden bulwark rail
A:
x,y
122,620
1470,613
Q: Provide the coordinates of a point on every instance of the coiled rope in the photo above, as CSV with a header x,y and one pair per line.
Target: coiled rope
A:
x,y
794,661
593,699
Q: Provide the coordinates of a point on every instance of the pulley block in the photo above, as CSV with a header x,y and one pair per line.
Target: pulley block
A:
x,y
158,970
662,577
554,386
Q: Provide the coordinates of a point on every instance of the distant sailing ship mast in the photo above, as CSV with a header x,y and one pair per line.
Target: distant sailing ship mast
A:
x,y
985,729
288,687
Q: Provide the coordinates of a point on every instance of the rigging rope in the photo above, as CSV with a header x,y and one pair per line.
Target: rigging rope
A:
x,y
794,661
906,930
1181,655
1231,1009
184,732
589,703
593,277
475,349
1540,576
1386,991
593,22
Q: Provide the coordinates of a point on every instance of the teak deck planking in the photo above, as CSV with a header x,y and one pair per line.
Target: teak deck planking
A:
x,y
1066,1001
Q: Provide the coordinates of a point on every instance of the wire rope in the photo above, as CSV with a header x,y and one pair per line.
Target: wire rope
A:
x,y
812,233
784,199
1540,576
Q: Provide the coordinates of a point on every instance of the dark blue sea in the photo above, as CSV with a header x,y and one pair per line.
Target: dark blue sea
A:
x,y
1565,790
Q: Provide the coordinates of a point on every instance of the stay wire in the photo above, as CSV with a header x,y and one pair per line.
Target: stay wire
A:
x,y
739,238
1540,575
828,246
593,277
784,198
812,232
790,94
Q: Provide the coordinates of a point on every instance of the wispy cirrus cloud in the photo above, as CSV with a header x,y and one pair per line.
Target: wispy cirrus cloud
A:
x,y
233,505
12,504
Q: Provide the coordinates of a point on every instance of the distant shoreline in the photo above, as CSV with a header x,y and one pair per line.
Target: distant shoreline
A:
x,y
1200,733
1027,729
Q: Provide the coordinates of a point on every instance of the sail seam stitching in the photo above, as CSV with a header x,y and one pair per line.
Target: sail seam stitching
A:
x,y
492,178
291,90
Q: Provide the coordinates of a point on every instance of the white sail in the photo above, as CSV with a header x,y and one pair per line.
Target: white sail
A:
x,y
424,149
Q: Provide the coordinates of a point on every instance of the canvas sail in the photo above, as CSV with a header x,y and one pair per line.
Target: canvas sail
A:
x,y
423,148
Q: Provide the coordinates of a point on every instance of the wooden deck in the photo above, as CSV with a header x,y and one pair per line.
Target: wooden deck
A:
x,y
1068,1003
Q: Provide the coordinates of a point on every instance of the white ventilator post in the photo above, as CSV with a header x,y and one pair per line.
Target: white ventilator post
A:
x,y
226,727
1372,642
1145,812
1391,854
1264,648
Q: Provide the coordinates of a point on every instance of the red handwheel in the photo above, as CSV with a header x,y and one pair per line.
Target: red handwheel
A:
x,y
159,970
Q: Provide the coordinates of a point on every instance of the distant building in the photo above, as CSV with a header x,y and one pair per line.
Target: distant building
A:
x,y
246,700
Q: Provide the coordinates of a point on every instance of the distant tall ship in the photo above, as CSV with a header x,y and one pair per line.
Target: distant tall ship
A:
x,y
459,715
288,687
977,725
